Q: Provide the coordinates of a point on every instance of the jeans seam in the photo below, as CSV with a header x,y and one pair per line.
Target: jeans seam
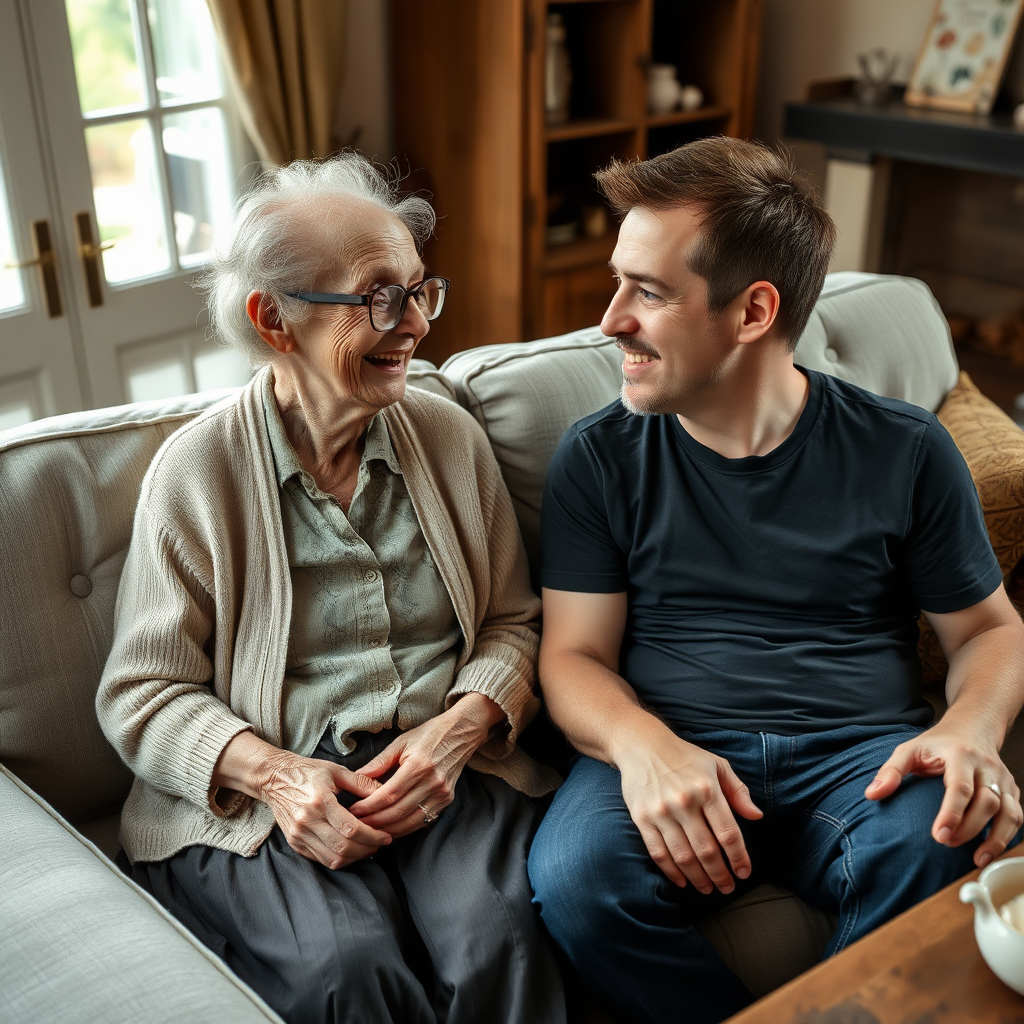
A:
x,y
851,920
768,795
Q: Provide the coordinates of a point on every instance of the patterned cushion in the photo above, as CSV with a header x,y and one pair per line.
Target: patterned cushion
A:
x,y
993,446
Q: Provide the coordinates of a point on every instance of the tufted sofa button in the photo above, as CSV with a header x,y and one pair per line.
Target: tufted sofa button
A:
x,y
832,355
81,586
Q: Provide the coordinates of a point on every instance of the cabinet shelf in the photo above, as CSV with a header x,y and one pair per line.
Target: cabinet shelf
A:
x,y
582,252
710,113
590,128
500,175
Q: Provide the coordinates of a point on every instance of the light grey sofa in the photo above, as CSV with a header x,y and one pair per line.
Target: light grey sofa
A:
x,y
77,940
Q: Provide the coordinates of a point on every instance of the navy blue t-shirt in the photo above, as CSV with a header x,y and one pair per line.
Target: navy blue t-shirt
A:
x,y
775,593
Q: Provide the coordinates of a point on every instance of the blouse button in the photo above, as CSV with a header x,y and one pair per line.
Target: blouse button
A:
x,y
370,575
375,642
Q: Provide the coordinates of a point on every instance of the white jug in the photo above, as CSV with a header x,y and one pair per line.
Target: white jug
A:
x,y
1000,945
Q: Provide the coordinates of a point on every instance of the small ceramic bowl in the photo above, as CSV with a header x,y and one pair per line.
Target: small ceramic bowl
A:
x,y
1000,945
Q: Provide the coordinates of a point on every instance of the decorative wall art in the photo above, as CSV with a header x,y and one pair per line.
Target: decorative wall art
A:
x,y
964,54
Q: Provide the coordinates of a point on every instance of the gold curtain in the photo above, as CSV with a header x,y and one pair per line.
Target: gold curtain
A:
x,y
285,60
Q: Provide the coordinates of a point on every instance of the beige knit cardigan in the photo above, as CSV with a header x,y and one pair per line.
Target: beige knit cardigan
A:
x,y
204,606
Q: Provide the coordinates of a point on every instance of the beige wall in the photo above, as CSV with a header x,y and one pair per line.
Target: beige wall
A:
x,y
812,40
809,40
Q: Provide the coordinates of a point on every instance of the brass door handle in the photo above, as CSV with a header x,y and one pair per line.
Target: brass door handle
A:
x,y
92,249
89,251
46,260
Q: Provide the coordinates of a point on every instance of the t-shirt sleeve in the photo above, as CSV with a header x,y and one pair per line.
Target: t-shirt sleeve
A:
x,y
949,555
578,549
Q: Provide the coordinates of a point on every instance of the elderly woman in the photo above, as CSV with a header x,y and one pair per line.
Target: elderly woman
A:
x,y
325,640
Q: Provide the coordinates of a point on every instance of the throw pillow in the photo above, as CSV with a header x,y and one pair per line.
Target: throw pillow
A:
x,y
993,447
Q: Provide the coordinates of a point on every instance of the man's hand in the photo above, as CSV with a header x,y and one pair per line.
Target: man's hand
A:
x,y
968,769
984,646
427,762
682,799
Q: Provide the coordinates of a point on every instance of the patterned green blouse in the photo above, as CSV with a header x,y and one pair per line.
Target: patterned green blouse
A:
x,y
374,636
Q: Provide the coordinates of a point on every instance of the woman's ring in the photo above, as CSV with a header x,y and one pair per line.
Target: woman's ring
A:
x,y
994,786
431,816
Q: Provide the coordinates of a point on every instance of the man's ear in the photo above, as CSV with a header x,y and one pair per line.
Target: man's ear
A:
x,y
758,309
266,319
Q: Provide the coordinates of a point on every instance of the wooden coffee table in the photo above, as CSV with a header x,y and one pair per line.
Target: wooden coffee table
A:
x,y
923,966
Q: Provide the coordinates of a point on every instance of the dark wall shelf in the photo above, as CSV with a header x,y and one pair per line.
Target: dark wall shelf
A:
x,y
971,141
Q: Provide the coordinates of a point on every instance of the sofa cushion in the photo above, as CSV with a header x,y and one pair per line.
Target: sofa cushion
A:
x,y
768,936
886,334
424,375
67,503
525,397
79,942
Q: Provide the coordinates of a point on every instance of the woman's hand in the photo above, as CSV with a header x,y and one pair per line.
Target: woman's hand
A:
x,y
429,760
302,793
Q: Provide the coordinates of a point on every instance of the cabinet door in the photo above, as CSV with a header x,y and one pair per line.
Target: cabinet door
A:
x,y
457,69
576,299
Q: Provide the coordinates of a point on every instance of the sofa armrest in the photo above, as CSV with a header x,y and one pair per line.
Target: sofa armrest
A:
x,y
79,941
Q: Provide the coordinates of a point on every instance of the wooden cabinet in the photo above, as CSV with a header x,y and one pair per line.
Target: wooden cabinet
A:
x,y
468,94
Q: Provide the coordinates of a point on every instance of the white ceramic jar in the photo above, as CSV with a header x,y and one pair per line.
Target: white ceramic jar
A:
x,y
662,88
690,97
557,72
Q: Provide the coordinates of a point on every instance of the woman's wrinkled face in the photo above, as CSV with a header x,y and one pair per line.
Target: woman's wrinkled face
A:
x,y
337,347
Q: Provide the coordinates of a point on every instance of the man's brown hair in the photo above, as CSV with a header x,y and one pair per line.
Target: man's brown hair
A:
x,y
759,220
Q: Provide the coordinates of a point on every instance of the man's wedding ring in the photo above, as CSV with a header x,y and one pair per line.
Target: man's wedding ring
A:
x,y
431,816
994,786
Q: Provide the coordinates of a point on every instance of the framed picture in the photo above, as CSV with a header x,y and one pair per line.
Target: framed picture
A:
x,y
964,54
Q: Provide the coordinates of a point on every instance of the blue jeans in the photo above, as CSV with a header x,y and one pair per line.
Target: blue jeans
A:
x,y
629,931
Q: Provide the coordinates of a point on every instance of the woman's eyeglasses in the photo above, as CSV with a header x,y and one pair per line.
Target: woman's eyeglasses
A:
x,y
387,304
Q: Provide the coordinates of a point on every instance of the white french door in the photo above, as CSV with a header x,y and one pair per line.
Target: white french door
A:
x,y
116,133
40,371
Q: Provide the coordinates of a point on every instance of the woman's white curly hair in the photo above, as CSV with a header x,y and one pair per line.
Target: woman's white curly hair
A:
x,y
268,249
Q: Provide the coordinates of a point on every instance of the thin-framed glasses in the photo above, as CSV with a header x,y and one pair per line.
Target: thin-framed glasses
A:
x,y
387,304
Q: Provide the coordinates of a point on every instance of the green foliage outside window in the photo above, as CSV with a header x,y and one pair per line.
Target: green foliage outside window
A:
x,y
106,62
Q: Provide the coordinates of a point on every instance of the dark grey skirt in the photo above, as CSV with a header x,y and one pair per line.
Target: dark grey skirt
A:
x,y
438,927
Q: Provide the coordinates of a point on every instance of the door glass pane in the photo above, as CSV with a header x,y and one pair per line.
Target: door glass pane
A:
x,y
126,190
14,414
220,368
156,370
163,380
184,50
107,64
198,167
19,401
178,366
12,294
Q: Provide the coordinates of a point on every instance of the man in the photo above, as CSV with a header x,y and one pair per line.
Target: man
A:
x,y
734,562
